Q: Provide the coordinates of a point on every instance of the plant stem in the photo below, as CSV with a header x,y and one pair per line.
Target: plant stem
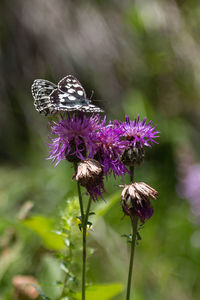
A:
x,y
84,220
132,173
80,202
134,222
84,247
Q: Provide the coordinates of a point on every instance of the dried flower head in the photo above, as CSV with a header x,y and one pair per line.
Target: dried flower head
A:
x,y
88,171
136,200
74,138
90,175
24,287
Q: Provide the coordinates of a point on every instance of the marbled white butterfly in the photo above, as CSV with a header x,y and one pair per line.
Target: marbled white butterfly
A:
x,y
68,95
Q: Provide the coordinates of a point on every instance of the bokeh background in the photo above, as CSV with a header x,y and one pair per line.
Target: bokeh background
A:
x,y
139,57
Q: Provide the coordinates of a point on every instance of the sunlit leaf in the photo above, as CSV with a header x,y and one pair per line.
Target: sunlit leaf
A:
x,y
44,227
107,291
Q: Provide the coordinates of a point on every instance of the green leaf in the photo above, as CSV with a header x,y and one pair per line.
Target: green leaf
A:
x,y
107,291
42,295
44,227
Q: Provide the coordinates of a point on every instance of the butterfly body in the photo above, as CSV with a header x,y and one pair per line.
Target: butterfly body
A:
x,y
68,95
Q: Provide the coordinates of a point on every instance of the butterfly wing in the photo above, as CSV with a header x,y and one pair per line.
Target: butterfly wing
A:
x,y
41,90
91,108
71,96
72,86
64,101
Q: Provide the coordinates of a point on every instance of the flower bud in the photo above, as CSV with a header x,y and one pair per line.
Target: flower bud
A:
x,y
133,156
136,199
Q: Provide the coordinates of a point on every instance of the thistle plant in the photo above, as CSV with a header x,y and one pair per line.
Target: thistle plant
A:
x,y
97,149
136,197
94,149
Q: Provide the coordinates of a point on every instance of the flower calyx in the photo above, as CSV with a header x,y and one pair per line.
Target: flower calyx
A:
x,y
133,156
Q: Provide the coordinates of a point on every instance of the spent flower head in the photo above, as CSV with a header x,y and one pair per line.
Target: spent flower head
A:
x,y
136,200
89,174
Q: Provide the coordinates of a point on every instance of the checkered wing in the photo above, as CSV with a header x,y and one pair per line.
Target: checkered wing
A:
x,y
71,96
72,86
41,90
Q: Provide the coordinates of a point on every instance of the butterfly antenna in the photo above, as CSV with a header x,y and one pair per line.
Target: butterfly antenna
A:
x,y
100,100
95,99
91,95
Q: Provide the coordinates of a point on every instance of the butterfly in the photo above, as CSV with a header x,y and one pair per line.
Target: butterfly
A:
x,y
68,95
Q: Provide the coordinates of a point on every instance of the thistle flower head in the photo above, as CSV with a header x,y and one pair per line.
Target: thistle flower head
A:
x,y
138,133
90,175
136,200
110,148
73,138
87,171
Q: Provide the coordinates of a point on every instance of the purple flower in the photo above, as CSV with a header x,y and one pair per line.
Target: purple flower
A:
x,y
110,148
190,186
81,137
144,211
74,138
138,133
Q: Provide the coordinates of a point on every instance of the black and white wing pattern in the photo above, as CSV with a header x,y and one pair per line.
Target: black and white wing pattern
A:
x,y
41,90
71,96
68,95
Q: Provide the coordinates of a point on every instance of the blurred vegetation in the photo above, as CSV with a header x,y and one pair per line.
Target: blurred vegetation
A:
x,y
140,57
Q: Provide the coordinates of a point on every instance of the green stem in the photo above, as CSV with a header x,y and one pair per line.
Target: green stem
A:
x,y
84,227
134,222
79,196
132,173
80,202
84,247
88,211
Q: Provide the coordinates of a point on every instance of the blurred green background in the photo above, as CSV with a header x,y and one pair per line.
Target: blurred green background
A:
x,y
141,57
